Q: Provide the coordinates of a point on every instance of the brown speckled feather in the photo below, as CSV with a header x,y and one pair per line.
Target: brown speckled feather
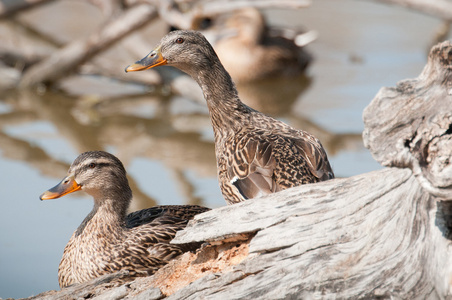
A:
x,y
256,154
141,247
107,240
262,161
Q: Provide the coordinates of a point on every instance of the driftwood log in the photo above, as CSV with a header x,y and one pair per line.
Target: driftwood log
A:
x,y
384,234
410,126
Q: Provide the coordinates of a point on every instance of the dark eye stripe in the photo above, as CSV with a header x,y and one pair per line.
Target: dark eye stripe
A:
x,y
96,165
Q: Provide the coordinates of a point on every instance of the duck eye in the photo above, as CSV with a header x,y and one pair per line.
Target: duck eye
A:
x,y
92,165
179,40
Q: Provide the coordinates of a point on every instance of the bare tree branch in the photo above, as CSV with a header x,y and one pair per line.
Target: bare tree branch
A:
x,y
170,11
10,8
65,61
439,8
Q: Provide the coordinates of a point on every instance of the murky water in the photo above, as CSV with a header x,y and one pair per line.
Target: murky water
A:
x,y
166,141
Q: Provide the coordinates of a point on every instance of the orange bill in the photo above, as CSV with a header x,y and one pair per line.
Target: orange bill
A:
x,y
66,186
153,59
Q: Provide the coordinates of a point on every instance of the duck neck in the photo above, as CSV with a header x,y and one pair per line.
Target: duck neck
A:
x,y
225,108
108,215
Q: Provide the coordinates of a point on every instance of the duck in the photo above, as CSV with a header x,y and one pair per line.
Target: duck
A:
x,y
110,240
251,51
256,154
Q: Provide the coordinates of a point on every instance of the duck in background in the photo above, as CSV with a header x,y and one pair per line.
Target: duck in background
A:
x,y
109,240
250,50
266,63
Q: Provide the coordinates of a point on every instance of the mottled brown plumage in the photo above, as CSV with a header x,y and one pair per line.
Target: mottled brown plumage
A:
x,y
108,240
256,154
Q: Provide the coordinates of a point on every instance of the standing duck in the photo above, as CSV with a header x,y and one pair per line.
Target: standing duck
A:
x,y
256,154
109,240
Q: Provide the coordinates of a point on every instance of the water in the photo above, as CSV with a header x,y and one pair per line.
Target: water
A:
x,y
166,142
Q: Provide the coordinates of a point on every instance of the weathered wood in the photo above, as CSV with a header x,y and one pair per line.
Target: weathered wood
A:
x,y
336,239
104,287
410,126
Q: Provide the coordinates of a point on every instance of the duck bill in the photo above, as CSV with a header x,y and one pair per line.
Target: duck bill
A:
x,y
152,60
66,186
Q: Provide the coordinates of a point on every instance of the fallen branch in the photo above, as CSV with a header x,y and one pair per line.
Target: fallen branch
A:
x,y
65,61
10,8
439,8
189,18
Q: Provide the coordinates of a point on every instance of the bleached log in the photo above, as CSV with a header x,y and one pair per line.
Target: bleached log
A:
x,y
373,235
367,236
410,126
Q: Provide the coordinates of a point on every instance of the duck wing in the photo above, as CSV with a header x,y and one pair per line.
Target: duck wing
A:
x,y
317,161
164,215
259,167
251,167
153,228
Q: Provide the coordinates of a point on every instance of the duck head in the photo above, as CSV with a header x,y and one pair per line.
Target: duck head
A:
x,y
98,173
186,50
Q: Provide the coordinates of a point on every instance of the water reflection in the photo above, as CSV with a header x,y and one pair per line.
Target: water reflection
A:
x,y
274,96
88,125
141,126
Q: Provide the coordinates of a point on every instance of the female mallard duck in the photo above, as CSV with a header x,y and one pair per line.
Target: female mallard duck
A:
x,y
108,240
256,154
250,52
